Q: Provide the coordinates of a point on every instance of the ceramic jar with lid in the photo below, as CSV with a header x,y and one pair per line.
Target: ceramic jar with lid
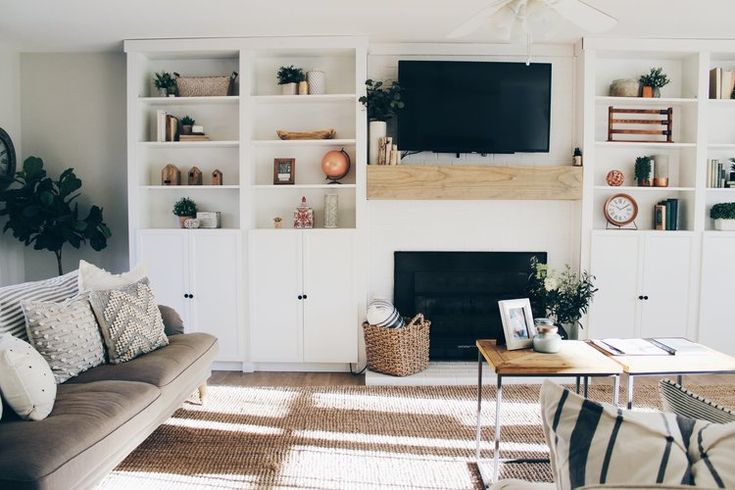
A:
x,y
546,340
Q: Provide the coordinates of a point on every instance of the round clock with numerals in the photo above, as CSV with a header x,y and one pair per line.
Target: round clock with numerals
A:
x,y
7,159
621,209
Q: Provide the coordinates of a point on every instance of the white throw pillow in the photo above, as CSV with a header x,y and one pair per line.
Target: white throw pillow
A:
x,y
26,381
93,278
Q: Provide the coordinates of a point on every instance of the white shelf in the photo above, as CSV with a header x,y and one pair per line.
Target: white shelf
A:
x,y
643,144
332,142
263,187
723,190
187,230
722,146
195,187
721,102
643,101
603,231
303,99
189,144
634,188
229,99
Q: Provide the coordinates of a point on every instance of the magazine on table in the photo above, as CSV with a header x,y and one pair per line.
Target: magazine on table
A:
x,y
658,346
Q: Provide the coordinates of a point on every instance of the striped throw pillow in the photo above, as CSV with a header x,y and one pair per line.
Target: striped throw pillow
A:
x,y
56,289
382,313
683,402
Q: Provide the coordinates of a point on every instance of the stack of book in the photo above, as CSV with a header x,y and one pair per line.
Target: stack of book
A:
x,y
666,215
719,176
167,127
387,152
193,137
721,83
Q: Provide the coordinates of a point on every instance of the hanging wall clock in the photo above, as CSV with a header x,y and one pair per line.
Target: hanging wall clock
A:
x,y
7,159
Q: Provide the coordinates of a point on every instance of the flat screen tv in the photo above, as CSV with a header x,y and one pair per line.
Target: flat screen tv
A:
x,y
480,107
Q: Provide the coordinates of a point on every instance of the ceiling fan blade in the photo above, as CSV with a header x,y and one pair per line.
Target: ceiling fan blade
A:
x,y
477,20
587,17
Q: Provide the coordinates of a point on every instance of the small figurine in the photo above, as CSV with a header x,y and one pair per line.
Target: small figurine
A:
x,y
195,176
170,175
303,216
277,222
217,177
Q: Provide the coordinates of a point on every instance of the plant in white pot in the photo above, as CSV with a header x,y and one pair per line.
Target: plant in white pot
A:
x,y
724,215
289,78
383,101
185,208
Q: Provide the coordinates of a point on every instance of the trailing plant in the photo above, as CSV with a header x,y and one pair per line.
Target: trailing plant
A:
x,y
723,210
42,212
290,74
382,101
643,168
187,121
185,207
656,78
164,80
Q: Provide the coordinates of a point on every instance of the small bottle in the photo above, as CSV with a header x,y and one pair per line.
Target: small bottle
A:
x,y
577,158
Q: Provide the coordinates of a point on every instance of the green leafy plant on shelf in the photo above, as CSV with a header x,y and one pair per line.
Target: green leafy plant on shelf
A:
x,y
42,212
187,121
656,78
290,74
643,170
383,101
723,210
185,207
164,81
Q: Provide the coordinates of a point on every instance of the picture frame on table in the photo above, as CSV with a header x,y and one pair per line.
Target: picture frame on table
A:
x,y
518,325
284,171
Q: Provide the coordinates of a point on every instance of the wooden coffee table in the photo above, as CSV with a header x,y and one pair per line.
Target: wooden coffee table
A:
x,y
575,359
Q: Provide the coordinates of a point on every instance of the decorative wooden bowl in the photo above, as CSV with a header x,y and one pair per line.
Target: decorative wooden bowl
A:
x,y
322,134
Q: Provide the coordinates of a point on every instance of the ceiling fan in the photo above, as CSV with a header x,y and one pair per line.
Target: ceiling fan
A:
x,y
511,12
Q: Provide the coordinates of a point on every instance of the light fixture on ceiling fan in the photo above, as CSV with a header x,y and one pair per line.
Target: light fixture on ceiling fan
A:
x,y
510,13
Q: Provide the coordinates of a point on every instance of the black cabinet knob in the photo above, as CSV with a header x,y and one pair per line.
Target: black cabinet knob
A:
x,y
640,297
304,296
646,298
191,296
301,297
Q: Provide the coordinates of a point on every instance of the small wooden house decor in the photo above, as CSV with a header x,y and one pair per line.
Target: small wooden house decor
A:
x,y
170,175
195,176
217,177
649,124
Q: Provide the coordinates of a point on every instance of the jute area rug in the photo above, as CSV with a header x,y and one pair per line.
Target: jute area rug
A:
x,y
347,438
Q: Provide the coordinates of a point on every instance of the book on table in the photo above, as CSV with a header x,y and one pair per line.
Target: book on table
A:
x,y
659,346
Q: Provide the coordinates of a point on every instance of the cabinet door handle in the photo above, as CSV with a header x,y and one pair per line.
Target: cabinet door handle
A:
x,y
640,297
191,296
300,297
646,298
186,295
304,296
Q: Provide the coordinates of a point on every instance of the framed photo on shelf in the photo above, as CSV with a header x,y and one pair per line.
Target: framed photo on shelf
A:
x,y
284,171
517,323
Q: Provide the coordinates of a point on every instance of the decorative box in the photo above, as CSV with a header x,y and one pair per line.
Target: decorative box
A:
x,y
303,216
209,219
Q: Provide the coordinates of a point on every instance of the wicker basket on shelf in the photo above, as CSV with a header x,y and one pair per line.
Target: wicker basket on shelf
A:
x,y
398,351
205,86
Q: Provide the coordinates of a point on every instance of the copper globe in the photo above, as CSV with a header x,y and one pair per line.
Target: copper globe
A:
x,y
336,164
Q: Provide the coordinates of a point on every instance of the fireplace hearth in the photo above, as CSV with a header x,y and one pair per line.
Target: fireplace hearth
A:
x,y
459,293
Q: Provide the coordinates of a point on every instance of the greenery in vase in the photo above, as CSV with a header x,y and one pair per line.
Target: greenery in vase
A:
x,y
42,212
164,81
723,210
643,168
656,78
185,207
382,101
564,296
187,121
290,74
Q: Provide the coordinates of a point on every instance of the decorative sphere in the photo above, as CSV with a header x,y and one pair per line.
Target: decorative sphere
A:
x,y
336,164
615,178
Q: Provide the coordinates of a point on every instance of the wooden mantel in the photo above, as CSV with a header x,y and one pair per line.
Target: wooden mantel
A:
x,y
474,182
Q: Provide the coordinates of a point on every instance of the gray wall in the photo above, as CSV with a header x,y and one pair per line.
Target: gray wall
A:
x,y
73,114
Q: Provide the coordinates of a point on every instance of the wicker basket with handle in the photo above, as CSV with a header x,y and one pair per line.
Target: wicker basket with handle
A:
x,y
205,86
398,351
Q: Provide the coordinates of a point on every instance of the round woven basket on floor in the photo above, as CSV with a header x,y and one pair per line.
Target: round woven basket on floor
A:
x,y
398,351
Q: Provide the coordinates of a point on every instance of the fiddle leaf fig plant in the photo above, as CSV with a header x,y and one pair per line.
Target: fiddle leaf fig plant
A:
x,y
382,101
41,212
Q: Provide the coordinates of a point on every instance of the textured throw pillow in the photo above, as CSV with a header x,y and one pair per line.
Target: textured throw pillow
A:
x,y
93,278
683,402
382,313
711,448
172,322
57,289
26,381
130,321
66,335
594,443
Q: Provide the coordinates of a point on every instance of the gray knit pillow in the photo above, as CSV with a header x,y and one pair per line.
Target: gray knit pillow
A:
x,y
65,334
130,321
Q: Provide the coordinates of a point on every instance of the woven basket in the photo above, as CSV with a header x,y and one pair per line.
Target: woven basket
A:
x,y
204,86
398,351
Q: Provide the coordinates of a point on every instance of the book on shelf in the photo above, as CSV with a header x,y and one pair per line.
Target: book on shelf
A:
x,y
721,83
172,128
656,346
160,126
193,137
717,175
666,215
659,219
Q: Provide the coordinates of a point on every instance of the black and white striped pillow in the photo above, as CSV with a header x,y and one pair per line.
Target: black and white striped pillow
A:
x,y
382,313
57,289
683,402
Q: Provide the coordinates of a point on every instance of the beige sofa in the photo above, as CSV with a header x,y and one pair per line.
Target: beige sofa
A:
x,y
101,416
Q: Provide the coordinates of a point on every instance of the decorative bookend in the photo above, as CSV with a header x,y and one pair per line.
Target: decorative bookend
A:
x,y
303,216
195,176
170,175
636,122
217,178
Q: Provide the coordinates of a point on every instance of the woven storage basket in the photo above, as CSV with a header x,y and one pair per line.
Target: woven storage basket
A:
x,y
204,86
398,351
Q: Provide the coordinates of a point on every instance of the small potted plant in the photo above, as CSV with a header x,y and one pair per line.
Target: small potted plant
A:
x,y
643,171
724,215
186,124
185,208
289,78
165,84
382,101
652,82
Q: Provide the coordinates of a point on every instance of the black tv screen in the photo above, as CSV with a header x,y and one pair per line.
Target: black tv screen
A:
x,y
481,107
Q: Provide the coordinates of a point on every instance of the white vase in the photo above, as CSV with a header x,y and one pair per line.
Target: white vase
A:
x,y
572,330
378,130
289,88
317,82
725,224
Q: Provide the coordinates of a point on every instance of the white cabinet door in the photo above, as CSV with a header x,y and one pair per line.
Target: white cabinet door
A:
x,y
330,315
718,271
614,263
166,255
666,285
215,288
276,322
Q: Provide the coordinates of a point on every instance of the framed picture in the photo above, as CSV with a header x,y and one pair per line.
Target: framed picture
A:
x,y
284,171
517,323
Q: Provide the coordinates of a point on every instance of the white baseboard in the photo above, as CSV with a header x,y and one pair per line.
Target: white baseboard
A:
x,y
301,367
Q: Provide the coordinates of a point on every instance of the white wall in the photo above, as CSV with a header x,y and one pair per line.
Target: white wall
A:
x,y
551,226
74,115
11,251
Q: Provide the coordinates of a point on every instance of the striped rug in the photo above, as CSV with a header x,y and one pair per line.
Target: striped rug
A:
x,y
347,438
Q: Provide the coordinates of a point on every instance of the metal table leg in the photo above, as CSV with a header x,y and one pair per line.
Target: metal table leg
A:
x,y
498,403
616,389
479,406
586,385
630,391
680,380
578,385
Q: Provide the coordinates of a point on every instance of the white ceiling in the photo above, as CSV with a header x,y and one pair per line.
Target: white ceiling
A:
x,y
101,25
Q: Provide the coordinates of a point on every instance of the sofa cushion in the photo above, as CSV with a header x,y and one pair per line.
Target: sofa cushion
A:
x,y
83,415
26,381
158,368
93,278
